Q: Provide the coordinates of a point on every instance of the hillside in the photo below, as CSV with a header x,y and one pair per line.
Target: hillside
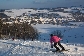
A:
x,y
73,40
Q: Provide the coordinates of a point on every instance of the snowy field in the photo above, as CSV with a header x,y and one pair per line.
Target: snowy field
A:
x,y
73,39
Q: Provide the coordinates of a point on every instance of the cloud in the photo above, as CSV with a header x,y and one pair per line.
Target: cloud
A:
x,y
39,2
42,1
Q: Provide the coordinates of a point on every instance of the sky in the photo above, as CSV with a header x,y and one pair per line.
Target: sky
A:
x,y
15,4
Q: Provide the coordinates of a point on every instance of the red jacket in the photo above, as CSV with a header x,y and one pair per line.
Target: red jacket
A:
x,y
54,39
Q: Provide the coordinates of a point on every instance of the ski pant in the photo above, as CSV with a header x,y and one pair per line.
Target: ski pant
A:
x,y
58,43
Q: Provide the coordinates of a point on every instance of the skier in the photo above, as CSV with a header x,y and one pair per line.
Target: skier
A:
x,y
56,40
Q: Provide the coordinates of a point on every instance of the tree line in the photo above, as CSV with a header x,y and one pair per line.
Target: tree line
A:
x,y
18,31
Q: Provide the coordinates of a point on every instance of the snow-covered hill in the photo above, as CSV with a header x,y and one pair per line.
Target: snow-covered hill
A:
x,y
73,40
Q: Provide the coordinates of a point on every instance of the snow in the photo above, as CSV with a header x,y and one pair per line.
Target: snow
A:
x,y
67,9
14,13
82,11
73,39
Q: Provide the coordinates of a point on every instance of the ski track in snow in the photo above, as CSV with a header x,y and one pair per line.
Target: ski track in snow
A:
x,y
37,48
70,41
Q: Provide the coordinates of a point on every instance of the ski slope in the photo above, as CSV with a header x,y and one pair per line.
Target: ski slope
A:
x,y
73,39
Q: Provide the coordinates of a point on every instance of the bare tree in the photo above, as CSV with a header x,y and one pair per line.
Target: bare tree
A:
x,y
0,27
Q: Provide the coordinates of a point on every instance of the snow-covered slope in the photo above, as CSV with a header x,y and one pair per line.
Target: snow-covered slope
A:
x,y
73,40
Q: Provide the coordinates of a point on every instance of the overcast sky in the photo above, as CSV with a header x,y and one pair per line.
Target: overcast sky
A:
x,y
15,4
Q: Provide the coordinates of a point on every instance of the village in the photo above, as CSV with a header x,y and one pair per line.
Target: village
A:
x,y
34,16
